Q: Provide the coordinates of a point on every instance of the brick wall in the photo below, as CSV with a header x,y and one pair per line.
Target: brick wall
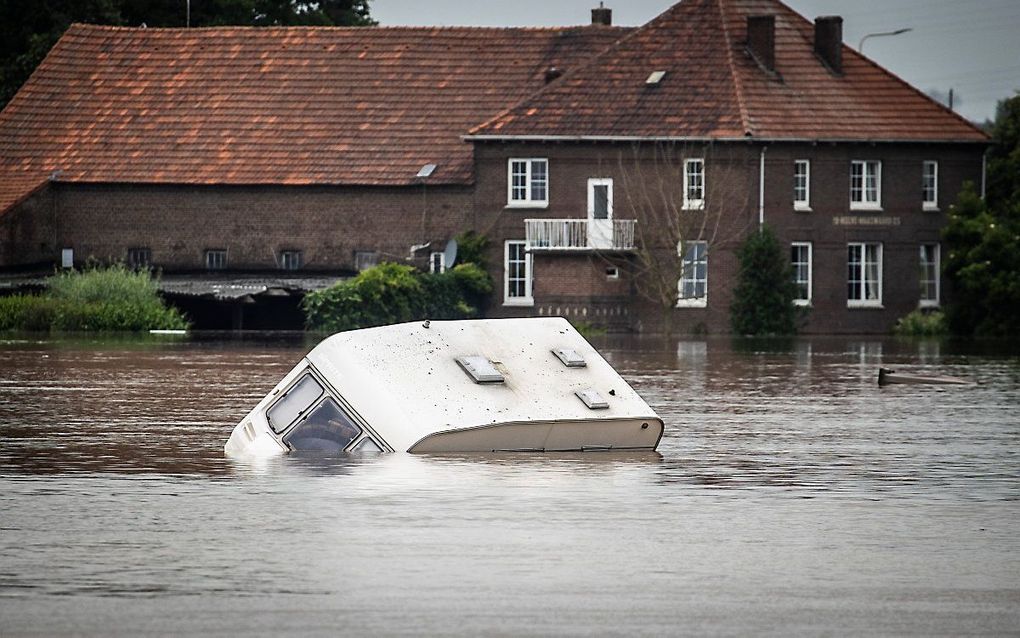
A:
x,y
253,224
641,183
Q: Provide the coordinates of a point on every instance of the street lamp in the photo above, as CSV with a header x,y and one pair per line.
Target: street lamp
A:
x,y
860,47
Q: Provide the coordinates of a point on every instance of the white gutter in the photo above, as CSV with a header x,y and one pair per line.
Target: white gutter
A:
x,y
984,172
669,138
761,188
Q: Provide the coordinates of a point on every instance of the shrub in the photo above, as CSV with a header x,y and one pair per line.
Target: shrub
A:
x,y
393,293
920,323
97,299
763,299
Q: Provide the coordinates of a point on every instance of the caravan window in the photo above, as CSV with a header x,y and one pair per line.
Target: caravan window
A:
x,y
326,428
293,403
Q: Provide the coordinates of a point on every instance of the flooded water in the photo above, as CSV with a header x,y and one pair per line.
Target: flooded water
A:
x,y
790,496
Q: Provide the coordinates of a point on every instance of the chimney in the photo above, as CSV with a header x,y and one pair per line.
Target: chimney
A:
x,y
602,15
829,42
761,40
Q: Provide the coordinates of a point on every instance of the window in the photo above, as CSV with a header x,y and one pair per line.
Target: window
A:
x,y
930,275
866,185
864,275
216,259
326,428
517,276
293,403
694,184
930,185
437,263
528,184
290,260
365,259
802,185
600,198
692,288
800,257
139,257
612,273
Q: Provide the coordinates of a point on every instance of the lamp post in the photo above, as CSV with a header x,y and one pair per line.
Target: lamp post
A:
x,y
860,47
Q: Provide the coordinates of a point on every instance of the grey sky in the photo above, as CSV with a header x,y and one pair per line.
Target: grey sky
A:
x,y
972,46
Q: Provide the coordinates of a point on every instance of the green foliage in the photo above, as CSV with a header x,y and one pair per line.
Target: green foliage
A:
x,y
588,330
922,324
27,312
763,298
29,28
98,299
983,240
394,293
471,249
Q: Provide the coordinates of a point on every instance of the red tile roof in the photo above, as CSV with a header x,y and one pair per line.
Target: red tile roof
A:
x,y
714,89
237,105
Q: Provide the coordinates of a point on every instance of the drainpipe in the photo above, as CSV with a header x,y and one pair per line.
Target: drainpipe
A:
x,y
984,172
761,188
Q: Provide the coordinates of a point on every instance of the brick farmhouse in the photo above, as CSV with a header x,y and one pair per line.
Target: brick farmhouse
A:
x,y
614,170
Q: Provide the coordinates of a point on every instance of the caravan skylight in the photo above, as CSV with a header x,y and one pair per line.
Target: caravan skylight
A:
x,y
569,357
481,369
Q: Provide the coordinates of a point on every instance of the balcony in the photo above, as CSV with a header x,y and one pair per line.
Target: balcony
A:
x,y
580,235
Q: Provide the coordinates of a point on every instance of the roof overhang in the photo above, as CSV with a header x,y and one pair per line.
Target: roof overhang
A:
x,y
704,140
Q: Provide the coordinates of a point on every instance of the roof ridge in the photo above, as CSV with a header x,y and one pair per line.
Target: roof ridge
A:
x,y
83,26
745,118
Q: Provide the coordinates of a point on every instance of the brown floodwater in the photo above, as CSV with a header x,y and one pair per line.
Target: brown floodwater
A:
x,y
790,496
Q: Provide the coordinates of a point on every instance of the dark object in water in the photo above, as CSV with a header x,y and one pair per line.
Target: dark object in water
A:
x,y
887,376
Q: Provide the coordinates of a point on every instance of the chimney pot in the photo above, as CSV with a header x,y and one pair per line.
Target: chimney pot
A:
x,y
602,15
761,40
829,42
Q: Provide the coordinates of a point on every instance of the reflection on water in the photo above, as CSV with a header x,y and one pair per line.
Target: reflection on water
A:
x,y
790,495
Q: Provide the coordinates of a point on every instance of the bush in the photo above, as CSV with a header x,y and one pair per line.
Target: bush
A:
x,y
98,299
27,312
922,324
394,293
763,299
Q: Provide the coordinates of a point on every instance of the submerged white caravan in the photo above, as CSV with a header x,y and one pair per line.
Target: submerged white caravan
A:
x,y
451,386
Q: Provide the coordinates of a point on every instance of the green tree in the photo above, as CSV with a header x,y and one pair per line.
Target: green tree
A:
x,y
30,28
983,239
763,298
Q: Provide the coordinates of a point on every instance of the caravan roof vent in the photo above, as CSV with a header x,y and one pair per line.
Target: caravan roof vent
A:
x,y
570,358
592,398
481,369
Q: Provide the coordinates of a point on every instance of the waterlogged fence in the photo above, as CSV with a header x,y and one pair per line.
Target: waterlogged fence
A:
x,y
790,495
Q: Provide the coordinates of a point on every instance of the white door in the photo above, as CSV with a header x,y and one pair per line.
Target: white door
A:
x,y
600,213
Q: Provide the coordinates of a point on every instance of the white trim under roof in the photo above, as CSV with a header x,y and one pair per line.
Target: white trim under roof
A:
x,y
694,138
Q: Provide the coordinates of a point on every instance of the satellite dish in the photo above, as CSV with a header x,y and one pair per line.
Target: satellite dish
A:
x,y
450,254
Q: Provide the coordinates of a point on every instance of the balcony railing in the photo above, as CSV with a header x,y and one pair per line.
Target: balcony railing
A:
x,y
580,234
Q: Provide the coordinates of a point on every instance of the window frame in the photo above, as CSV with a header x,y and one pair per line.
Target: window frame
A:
x,y
805,203
863,302
216,259
692,302
694,203
936,282
133,255
365,259
933,203
441,263
528,201
866,166
528,298
810,274
287,258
